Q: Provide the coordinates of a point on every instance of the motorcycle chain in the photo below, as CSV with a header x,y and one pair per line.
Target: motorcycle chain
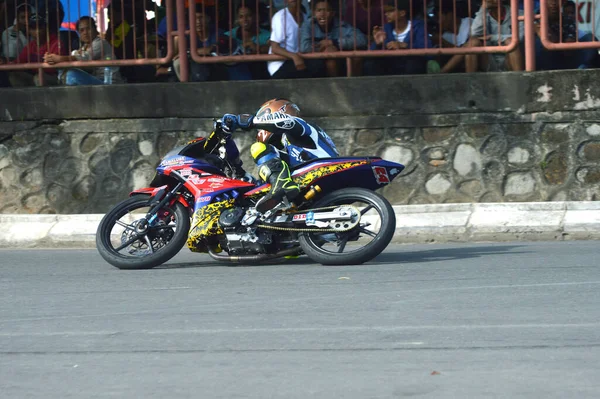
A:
x,y
317,230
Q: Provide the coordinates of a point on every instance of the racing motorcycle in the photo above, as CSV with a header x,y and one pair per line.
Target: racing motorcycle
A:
x,y
196,199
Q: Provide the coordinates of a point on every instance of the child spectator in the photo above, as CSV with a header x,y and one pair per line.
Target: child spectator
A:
x,y
14,38
400,32
246,40
93,48
498,32
324,33
285,38
364,15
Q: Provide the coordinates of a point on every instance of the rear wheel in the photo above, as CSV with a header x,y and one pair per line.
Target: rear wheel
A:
x,y
361,244
124,241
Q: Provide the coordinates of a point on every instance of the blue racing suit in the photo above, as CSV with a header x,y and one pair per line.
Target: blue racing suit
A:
x,y
300,140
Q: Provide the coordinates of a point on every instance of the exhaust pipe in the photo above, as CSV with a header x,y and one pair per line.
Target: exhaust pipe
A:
x,y
254,258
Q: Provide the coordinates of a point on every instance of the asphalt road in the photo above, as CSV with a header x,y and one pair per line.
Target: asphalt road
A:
x,y
514,320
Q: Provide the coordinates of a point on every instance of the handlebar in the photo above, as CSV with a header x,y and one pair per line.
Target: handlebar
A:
x,y
218,126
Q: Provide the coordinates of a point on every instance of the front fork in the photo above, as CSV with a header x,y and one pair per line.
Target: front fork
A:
x,y
159,200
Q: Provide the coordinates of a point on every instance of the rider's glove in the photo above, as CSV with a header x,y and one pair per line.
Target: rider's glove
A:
x,y
229,123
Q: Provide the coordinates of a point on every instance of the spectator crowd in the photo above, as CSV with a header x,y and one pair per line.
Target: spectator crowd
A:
x,y
288,28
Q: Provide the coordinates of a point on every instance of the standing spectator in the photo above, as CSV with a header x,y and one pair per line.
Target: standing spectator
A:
x,y
498,31
93,48
285,37
324,33
400,32
14,38
364,14
247,40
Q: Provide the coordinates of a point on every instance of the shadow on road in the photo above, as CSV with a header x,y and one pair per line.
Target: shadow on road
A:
x,y
390,256
445,254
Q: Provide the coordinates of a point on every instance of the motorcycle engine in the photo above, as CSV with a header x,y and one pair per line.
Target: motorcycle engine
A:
x,y
241,239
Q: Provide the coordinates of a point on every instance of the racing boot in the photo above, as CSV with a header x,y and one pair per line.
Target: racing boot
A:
x,y
274,170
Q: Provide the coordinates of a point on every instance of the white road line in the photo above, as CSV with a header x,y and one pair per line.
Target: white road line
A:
x,y
383,329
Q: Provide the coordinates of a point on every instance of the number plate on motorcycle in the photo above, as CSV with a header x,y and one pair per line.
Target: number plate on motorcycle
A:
x,y
381,175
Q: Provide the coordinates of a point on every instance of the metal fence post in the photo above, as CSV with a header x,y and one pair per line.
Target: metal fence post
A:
x,y
529,36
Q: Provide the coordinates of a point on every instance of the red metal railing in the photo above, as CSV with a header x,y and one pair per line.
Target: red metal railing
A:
x,y
355,53
143,47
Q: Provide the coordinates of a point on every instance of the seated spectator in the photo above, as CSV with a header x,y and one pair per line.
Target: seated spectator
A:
x,y
285,34
497,20
563,59
208,42
14,38
44,32
324,33
247,41
451,38
364,15
93,48
400,32
126,19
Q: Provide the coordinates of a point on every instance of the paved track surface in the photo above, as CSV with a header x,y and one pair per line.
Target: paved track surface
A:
x,y
466,320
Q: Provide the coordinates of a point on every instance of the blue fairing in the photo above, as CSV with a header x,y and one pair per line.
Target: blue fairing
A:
x,y
375,174
180,160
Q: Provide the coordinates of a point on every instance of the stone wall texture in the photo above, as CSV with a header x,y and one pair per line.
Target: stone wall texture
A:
x,y
70,157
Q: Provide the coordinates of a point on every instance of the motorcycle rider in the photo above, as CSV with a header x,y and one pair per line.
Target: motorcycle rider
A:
x,y
294,140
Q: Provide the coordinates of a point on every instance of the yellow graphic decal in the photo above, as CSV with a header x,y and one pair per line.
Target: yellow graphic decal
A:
x,y
205,223
307,178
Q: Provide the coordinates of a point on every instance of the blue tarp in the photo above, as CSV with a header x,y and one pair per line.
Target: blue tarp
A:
x,y
75,9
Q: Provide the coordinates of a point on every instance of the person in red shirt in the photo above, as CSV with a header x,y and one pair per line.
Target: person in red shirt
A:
x,y
45,39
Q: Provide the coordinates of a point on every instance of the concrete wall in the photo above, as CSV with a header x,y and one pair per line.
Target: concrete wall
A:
x,y
464,138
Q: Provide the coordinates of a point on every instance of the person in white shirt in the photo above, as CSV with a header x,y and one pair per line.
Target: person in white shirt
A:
x,y
279,4
14,39
285,41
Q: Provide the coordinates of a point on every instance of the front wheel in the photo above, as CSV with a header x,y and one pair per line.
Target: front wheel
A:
x,y
359,245
126,241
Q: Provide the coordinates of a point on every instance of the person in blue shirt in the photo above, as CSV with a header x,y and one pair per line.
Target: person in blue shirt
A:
x,y
400,32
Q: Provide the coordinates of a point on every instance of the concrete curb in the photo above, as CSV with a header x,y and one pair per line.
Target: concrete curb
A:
x,y
414,224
